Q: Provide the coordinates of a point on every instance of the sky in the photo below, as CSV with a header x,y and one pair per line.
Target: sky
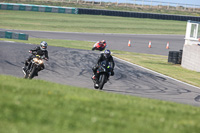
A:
x,y
195,2
191,2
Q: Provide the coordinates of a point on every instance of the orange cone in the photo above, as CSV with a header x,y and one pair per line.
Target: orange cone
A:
x,y
167,47
129,43
149,44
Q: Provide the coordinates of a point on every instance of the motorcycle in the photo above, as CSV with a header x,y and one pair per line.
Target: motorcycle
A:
x,y
103,74
33,67
98,47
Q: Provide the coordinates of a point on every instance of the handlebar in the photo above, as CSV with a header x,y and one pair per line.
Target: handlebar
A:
x,y
34,53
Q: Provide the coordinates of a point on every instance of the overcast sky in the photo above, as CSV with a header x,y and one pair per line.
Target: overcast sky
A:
x,y
193,2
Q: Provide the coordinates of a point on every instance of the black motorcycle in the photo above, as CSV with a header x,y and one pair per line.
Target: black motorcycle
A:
x,y
35,65
102,76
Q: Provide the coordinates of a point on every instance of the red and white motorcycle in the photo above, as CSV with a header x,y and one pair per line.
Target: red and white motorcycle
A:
x,y
98,46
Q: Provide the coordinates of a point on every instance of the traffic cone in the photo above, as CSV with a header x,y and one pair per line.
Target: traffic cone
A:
x,y
149,44
167,47
129,43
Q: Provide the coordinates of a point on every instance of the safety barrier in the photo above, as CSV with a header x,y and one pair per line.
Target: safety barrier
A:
x,y
175,57
13,35
137,14
71,10
38,8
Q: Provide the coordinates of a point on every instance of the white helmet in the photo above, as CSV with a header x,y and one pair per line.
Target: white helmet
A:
x,y
103,41
43,45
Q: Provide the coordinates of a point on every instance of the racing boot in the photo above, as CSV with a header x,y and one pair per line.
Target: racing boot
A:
x,y
24,69
93,77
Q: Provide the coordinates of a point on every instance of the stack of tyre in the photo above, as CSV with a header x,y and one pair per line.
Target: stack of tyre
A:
x,y
175,56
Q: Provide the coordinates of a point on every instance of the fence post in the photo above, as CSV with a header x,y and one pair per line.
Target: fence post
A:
x,y
161,4
185,7
168,7
134,3
194,8
142,3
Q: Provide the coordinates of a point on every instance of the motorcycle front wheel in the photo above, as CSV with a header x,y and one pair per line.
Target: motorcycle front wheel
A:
x,y
32,73
102,79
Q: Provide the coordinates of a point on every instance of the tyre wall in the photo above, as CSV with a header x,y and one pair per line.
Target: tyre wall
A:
x,y
13,35
136,14
38,8
175,57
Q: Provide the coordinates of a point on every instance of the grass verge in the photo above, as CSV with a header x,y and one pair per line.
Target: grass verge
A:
x,y
27,20
56,42
159,63
40,106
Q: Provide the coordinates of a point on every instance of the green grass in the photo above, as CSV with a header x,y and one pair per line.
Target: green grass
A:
x,y
159,63
38,106
25,20
58,43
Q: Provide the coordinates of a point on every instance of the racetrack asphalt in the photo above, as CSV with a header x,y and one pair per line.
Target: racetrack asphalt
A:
x,y
139,43
73,67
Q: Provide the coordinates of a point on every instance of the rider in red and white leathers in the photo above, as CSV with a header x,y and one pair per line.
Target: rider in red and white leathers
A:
x,y
100,45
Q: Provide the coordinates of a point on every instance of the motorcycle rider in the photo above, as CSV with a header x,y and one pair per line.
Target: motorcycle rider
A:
x,y
104,56
101,45
39,50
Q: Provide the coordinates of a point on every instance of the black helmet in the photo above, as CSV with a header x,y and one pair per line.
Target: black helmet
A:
x,y
43,45
107,53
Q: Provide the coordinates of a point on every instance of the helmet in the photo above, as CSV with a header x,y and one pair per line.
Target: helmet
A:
x,y
107,53
43,45
103,41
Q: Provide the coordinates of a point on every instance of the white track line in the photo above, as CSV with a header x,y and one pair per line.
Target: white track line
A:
x,y
158,73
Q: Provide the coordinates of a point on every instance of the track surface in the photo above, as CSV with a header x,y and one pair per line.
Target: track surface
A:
x,y
139,43
73,67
